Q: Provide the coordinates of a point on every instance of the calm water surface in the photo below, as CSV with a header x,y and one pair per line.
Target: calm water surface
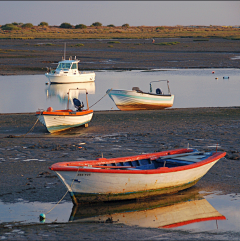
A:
x,y
192,88
212,205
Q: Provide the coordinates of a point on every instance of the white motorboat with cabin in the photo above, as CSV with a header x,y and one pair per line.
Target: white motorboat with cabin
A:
x,y
67,72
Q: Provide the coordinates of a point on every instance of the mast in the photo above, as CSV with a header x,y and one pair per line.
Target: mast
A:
x,y
64,51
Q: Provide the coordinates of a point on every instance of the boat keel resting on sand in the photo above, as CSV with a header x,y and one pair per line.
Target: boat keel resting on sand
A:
x,y
134,177
136,99
60,120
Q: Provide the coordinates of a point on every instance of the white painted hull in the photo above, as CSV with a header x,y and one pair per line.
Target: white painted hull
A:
x,y
67,78
55,123
134,177
114,183
133,100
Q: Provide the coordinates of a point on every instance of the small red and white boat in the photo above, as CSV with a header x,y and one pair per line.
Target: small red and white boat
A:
x,y
60,120
134,177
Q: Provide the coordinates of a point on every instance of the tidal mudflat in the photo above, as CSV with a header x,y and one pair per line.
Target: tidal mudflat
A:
x,y
25,176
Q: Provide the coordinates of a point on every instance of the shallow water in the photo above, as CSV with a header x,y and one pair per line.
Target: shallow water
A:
x,y
191,87
211,213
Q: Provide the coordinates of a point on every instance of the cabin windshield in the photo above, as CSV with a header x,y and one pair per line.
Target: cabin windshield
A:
x,y
74,66
64,66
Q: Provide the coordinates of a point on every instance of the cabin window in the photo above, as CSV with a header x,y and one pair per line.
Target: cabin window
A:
x,y
64,66
74,66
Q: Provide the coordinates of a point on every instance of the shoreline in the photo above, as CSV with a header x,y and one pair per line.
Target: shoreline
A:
x,y
112,111
128,54
118,69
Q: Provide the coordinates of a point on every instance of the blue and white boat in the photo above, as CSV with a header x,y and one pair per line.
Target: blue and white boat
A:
x,y
136,99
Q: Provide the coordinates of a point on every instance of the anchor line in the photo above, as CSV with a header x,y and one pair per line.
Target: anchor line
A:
x,y
101,98
64,194
30,129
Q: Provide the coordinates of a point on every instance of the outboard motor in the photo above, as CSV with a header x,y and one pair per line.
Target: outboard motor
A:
x,y
78,105
158,91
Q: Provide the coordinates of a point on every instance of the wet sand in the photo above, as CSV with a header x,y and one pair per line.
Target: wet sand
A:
x,y
26,158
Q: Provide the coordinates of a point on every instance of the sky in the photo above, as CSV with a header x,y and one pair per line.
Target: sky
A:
x,y
135,13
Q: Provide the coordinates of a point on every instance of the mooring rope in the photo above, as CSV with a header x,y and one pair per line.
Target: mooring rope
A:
x,y
37,119
57,203
65,193
101,98
30,129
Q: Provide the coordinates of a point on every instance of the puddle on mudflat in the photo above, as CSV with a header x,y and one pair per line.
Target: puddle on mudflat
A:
x,y
187,210
235,58
28,212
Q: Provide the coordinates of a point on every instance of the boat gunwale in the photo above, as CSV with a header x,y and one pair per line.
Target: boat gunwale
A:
x,y
65,74
65,112
138,92
83,165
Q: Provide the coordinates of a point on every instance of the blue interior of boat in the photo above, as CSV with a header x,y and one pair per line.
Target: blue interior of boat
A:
x,y
166,161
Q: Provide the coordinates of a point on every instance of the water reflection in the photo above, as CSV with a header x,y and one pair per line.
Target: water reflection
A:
x,y
165,212
61,90
191,88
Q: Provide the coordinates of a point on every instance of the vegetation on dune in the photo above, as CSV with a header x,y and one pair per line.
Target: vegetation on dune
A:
x,y
81,26
9,26
160,28
97,31
43,24
97,24
126,25
65,25
27,25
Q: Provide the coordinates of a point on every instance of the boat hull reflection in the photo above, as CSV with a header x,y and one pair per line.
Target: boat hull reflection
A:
x,y
167,212
61,90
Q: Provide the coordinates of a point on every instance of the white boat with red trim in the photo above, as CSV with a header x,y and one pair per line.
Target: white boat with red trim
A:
x,y
60,120
134,177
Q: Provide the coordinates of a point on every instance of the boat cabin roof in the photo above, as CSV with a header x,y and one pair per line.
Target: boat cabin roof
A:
x,y
69,61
